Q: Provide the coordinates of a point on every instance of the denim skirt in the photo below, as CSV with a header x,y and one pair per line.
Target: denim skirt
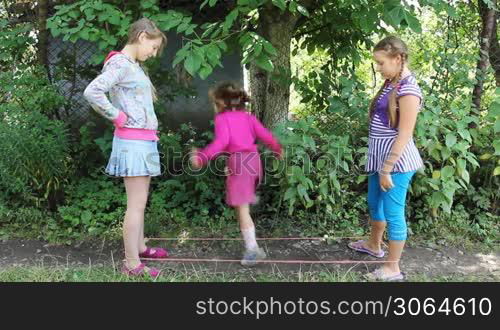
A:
x,y
134,158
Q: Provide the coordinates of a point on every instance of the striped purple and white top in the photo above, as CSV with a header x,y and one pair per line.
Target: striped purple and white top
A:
x,y
382,136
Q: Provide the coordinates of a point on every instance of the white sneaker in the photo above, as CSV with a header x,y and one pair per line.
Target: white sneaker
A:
x,y
251,257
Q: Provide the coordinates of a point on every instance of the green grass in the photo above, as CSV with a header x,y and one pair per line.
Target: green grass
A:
x,y
108,274
455,278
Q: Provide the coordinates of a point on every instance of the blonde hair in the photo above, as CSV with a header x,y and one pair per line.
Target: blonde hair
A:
x,y
152,32
228,96
393,46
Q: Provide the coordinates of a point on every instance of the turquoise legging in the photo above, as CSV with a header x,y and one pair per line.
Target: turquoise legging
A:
x,y
390,205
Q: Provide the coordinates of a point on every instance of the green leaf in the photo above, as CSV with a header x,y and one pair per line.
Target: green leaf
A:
x,y
222,45
208,29
496,171
433,186
86,217
246,39
437,198
345,166
112,40
217,32
74,14
361,178
98,5
451,140
448,193
303,10
213,54
465,176
265,63
435,154
183,27
320,163
445,153
205,71
230,19
290,207
485,156
257,50
465,135
451,11
103,17
177,60
280,4
290,192
204,4
200,52
269,48
413,22
447,172
89,13
297,172
471,158
323,188
190,30
56,32
462,164
395,15
171,23
496,145
115,19
84,34
495,107
366,24
192,63
302,190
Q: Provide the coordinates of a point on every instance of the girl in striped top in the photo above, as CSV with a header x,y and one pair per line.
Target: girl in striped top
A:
x,y
393,157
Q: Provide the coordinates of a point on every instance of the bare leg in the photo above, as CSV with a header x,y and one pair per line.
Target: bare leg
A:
x,y
137,189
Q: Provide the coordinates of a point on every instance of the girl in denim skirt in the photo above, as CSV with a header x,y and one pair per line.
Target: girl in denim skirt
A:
x,y
135,154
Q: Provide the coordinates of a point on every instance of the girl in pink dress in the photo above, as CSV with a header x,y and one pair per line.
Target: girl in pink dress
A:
x,y
236,133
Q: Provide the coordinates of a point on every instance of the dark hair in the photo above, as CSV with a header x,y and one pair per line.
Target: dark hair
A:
x,y
228,96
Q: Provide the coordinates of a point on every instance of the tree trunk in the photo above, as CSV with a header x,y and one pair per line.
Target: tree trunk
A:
x,y
43,35
495,51
270,95
488,19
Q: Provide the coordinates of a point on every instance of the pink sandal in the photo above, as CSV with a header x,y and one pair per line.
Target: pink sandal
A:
x,y
379,275
358,246
154,253
141,271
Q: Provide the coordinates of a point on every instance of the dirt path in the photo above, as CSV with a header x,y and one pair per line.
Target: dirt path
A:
x,y
417,261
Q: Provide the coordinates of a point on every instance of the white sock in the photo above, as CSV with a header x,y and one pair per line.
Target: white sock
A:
x,y
249,237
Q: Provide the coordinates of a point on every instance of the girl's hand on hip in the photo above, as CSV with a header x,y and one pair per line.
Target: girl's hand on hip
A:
x,y
385,182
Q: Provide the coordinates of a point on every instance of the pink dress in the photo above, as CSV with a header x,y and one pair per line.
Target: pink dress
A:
x,y
236,133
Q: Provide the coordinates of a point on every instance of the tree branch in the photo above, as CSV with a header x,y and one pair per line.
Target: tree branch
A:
x,y
488,18
495,51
